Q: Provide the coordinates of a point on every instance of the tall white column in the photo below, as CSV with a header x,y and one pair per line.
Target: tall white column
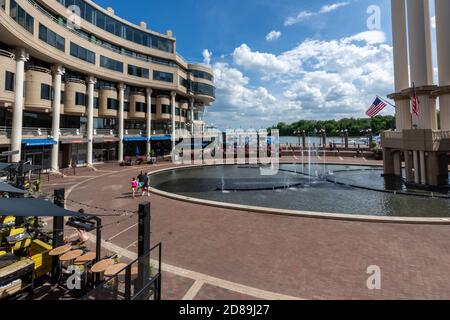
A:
x,y
423,173
58,72
17,117
121,119
149,121
401,69
419,31
420,59
416,167
191,109
443,53
90,120
173,104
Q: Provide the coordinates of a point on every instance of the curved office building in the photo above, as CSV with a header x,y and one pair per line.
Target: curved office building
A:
x,y
79,85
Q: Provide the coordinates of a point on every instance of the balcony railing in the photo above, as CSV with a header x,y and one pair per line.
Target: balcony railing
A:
x,y
104,132
8,54
441,135
134,132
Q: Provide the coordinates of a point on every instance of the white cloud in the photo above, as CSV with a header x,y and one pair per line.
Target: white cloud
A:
x,y
266,62
304,15
315,80
207,57
433,22
273,35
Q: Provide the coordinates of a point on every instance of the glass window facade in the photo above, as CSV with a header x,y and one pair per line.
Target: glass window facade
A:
x,y
202,75
118,28
45,92
113,104
141,107
21,16
82,53
154,108
9,81
166,109
111,64
184,82
106,123
162,76
80,99
50,37
203,88
138,71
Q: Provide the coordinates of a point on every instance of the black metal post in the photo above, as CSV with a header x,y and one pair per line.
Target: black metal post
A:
x,y
143,246
58,233
98,243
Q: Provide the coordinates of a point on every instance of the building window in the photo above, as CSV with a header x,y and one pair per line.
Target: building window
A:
x,y
203,88
2,4
46,92
202,75
111,64
82,53
9,81
21,16
113,104
96,103
141,107
154,108
126,106
162,76
50,37
177,111
183,82
166,109
138,71
62,97
80,99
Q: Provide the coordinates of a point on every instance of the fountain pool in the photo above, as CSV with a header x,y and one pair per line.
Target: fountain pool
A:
x,y
344,189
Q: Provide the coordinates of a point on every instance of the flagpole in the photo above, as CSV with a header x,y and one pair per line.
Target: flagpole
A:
x,y
386,101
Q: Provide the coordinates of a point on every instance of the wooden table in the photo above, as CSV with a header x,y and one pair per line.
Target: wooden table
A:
x,y
115,269
71,255
101,266
60,250
88,257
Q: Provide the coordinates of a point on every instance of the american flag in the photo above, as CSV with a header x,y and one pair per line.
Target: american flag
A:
x,y
376,107
415,102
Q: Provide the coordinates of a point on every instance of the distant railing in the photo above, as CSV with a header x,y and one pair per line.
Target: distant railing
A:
x,y
8,54
71,132
104,132
134,132
441,135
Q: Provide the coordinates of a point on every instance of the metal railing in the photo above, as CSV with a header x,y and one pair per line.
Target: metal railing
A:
x,y
134,132
441,135
8,54
104,132
139,280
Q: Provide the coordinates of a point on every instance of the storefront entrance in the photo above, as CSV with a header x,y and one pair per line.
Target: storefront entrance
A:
x,y
105,152
38,156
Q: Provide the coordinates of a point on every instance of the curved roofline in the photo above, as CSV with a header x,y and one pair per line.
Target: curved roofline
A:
x,y
105,11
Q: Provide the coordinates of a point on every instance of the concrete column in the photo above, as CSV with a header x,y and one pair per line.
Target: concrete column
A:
x,y
90,117
416,167
419,31
423,172
121,119
420,59
403,117
173,103
400,45
191,109
58,72
149,121
17,117
443,53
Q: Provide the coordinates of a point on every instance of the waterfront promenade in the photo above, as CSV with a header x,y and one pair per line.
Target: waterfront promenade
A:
x,y
215,253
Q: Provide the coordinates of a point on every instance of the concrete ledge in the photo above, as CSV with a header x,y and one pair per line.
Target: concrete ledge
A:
x,y
294,213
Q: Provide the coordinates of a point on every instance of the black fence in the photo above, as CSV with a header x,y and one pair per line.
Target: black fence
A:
x,y
139,280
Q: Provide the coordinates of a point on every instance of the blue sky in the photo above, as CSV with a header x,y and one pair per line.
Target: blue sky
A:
x,y
321,61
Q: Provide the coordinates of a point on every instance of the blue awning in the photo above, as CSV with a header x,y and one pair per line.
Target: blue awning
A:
x,y
38,142
131,139
161,138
